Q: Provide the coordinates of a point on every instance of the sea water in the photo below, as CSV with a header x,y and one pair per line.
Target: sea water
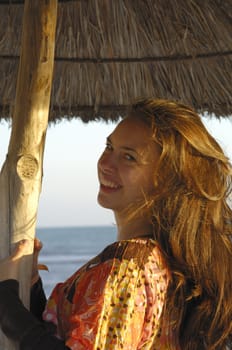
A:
x,y
66,249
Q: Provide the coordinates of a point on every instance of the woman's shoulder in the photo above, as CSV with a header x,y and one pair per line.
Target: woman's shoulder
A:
x,y
138,254
141,251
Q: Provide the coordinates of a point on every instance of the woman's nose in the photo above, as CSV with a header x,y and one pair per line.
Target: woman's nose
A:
x,y
107,163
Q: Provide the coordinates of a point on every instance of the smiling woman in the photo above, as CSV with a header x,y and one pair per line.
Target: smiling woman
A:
x,y
167,181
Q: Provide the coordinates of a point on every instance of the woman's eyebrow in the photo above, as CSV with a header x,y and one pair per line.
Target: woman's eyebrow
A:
x,y
108,140
126,148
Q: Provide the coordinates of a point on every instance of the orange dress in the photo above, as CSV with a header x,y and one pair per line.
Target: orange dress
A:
x,y
115,301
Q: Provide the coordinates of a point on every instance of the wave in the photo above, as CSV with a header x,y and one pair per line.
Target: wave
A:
x,y
64,258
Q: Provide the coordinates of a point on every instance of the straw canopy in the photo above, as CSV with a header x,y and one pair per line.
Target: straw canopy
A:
x,y
110,52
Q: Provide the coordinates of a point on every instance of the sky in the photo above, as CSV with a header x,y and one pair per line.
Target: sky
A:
x,y
70,184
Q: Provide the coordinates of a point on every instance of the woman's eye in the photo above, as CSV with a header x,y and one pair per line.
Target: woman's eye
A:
x,y
129,157
108,146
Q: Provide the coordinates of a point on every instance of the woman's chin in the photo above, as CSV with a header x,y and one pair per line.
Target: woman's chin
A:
x,y
102,202
105,202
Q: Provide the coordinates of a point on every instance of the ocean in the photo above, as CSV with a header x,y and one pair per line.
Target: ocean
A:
x,y
66,249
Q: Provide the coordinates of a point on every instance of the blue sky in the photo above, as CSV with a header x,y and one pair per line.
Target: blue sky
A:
x,y
70,182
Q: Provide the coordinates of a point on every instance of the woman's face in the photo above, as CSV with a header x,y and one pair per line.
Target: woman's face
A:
x,y
126,167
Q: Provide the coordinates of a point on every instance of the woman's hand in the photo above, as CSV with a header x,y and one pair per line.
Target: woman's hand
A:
x,y
9,267
36,266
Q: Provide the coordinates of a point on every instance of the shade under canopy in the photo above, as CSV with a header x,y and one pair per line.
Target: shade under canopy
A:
x,y
110,52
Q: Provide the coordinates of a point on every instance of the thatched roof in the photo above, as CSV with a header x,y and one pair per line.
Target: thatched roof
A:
x,y
110,52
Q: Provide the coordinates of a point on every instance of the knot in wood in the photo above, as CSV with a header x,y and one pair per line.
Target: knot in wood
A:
x,y
27,167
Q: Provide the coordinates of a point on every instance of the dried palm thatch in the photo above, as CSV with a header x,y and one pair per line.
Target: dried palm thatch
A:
x,y
109,52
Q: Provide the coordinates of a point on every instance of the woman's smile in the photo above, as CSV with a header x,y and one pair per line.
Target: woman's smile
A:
x,y
109,186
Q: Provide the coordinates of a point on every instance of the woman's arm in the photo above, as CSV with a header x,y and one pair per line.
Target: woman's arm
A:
x,y
37,299
20,325
16,321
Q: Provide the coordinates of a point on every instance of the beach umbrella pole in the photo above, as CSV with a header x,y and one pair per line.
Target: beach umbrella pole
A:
x,y
21,174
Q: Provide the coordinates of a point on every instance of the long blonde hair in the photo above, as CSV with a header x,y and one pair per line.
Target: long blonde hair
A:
x,y
192,223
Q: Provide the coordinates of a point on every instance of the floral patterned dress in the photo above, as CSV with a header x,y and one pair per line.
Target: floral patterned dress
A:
x,y
115,301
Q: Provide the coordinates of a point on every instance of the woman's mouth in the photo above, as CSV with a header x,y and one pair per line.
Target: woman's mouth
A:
x,y
109,186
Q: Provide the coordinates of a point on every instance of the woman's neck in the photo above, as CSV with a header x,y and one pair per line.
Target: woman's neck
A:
x,y
128,229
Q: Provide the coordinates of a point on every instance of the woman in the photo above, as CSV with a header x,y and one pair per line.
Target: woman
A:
x,y
166,283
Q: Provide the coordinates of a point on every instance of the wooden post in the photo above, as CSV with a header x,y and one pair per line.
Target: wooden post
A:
x,y
21,175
